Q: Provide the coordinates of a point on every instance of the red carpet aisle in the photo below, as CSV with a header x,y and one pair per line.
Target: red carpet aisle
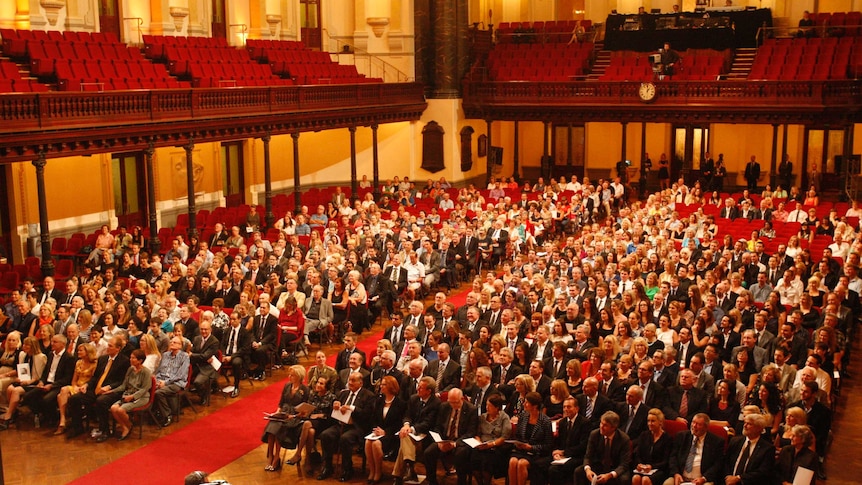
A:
x,y
211,442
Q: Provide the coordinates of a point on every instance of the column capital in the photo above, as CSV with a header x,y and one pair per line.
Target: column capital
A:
x,y
295,135
190,145
352,128
40,161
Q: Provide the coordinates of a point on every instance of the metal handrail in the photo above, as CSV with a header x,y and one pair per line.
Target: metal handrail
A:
x,y
140,23
388,72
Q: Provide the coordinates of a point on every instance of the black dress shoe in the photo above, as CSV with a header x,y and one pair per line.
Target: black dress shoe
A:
x,y
167,422
398,481
74,432
102,438
346,475
235,392
325,473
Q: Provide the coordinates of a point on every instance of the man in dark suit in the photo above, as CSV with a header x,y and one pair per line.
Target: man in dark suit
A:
x,y
236,350
470,250
204,349
397,277
685,452
189,324
377,288
395,333
819,416
592,404
263,339
49,290
456,421
355,365
505,371
421,417
633,413
685,400
412,378
498,239
712,363
654,393
444,370
482,390
41,397
608,456
581,344
571,442
447,265
98,392
685,348
750,458
555,366
219,236
728,339
729,211
610,386
543,382
752,173
662,374
749,342
342,361
344,437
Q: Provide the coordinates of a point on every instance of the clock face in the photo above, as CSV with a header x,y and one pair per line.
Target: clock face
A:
x,y
647,91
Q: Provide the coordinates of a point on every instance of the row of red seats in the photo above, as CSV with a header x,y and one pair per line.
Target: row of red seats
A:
x,y
539,62
180,58
259,47
214,75
15,41
297,57
21,86
849,22
328,74
9,71
44,55
154,45
108,75
552,31
797,59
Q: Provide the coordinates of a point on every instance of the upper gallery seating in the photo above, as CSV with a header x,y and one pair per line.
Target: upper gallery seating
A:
x,y
839,23
209,62
82,61
539,62
12,82
551,31
696,65
293,60
804,59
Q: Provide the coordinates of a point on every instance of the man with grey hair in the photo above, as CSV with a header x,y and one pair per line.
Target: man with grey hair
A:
x,y
421,417
456,421
609,454
749,458
318,312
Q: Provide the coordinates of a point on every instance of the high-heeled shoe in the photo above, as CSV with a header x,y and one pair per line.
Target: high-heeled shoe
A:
x,y
5,424
294,461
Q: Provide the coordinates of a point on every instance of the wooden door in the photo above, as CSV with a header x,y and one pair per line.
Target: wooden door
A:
x,y
219,22
232,167
109,17
130,189
310,23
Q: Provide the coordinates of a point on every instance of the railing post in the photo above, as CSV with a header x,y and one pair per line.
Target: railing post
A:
x,y
155,242
44,230
267,180
190,184
297,196
375,171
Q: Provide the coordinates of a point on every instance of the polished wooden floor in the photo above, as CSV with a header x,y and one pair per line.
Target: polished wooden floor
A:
x,y
35,456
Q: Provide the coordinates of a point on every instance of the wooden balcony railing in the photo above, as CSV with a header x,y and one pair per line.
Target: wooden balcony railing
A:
x,y
604,101
21,113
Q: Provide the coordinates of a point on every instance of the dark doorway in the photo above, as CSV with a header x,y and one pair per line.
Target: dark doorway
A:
x,y
5,230
109,17
309,18
219,24
568,150
232,168
690,143
130,193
